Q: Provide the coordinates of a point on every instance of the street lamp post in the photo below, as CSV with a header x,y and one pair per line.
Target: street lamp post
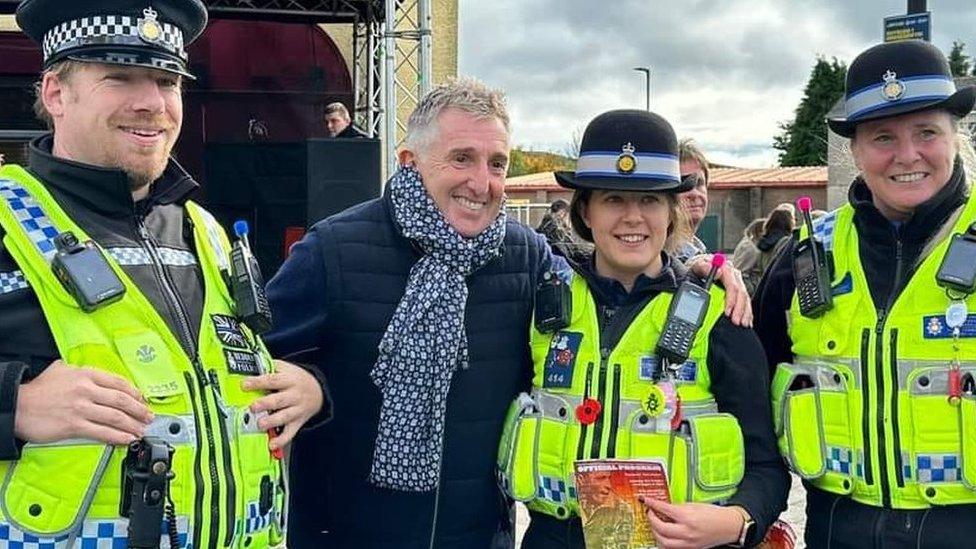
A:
x,y
647,89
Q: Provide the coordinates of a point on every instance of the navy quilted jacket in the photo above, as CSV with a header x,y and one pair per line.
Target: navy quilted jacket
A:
x,y
332,301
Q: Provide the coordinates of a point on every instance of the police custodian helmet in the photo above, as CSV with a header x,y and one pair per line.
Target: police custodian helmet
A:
x,y
142,33
899,78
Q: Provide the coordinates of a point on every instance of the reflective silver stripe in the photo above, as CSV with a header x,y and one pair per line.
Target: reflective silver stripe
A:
x,y
916,89
932,377
139,256
604,164
550,404
12,281
822,371
163,426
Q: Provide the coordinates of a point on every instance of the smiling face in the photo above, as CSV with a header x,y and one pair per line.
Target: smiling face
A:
x,y
629,231
694,201
905,160
463,168
114,116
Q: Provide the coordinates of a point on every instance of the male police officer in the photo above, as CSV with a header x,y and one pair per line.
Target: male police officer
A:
x,y
135,341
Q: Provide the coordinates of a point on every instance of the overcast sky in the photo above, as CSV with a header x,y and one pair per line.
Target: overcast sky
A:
x,y
724,72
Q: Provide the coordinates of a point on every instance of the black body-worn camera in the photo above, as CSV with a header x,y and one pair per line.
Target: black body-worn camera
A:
x,y
85,273
958,269
553,304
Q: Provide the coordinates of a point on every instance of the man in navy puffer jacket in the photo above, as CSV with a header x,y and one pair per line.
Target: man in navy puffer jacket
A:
x,y
416,307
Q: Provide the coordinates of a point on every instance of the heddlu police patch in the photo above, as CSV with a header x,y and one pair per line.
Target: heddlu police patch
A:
x,y
243,363
561,360
936,327
229,331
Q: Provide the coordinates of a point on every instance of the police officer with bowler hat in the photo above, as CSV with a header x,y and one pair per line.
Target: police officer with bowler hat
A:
x,y
873,392
135,406
602,389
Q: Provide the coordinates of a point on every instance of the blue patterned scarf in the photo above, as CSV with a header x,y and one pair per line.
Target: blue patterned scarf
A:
x,y
425,341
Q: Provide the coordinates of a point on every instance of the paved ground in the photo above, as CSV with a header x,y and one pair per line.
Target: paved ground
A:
x,y
794,514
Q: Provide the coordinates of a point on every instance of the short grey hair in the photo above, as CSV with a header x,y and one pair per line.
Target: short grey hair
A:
x,y
465,94
337,107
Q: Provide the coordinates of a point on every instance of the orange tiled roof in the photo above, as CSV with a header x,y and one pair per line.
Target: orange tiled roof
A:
x,y
542,181
737,178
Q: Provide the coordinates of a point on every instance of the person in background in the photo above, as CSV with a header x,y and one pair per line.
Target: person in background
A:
x,y
339,123
777,233
746,256
558,232
694,174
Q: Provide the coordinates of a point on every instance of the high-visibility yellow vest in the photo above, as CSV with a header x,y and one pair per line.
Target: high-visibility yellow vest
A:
x,y
543,438
864,410
228,491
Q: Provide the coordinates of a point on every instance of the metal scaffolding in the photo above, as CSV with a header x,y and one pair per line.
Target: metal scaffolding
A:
x,y
391,65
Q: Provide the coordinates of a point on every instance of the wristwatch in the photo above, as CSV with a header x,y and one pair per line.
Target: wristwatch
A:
x,y
748,525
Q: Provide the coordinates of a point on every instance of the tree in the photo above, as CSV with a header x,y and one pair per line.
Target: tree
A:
x,y
522,162
803,140
959,62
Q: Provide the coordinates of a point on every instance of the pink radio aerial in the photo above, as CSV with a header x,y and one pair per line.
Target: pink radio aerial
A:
x,y
804,203
718,260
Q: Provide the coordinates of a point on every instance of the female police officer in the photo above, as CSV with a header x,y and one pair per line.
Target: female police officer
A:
x,y
874,400
600,390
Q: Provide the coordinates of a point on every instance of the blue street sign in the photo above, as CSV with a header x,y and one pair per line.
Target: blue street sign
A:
x,y
914,26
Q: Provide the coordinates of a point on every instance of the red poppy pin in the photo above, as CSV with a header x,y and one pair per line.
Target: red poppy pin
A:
x,y
587,412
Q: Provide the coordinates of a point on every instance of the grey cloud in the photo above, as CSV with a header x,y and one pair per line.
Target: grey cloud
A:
x,y
563,61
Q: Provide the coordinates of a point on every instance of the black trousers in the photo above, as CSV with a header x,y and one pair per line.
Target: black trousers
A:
x,y
838,522
548,532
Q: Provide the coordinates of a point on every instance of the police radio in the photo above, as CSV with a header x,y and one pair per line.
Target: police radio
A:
x,y
811,270
247,285
85,273
553,304
685,317
958,269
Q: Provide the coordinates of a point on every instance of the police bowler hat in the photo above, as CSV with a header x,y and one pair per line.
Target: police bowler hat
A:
x,y
627,150
142,33
899,78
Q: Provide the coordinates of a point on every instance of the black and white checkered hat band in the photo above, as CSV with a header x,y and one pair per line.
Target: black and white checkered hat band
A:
x,y
103,30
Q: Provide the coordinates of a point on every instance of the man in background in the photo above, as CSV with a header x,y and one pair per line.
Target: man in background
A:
x,y
338,122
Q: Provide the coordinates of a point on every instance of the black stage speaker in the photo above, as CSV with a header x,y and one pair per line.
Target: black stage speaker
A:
x,y
277,186
341,173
